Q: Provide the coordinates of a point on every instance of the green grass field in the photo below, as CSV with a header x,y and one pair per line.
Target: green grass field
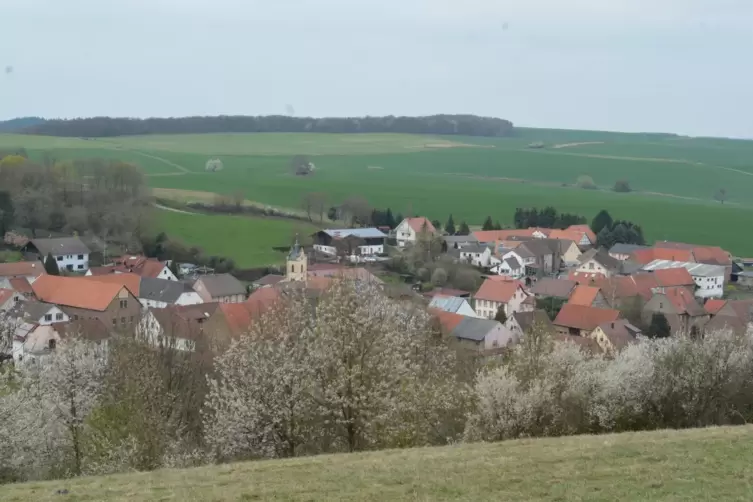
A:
x,y
701,464
248,241
674,178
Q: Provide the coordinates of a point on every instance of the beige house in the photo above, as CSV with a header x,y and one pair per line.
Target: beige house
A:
x,y
614,336
221,288
408,230
597,261
569,251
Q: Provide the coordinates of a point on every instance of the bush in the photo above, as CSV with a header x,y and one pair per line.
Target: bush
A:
x,y
439,277
622,186
652,384
586,182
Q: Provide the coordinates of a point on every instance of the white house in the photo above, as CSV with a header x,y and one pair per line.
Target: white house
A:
x,y
159,293
478,255
510,267
32,342
70,253
453,304
408,230
709,279
363,241
493,294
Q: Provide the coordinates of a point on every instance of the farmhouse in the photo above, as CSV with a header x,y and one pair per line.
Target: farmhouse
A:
x,y
680,308
222,288
81,298
350,241
614,336
580,320
472,332
588,296
70,253
493,295
136,264
408,230
478,255
159,293
709,279
598,261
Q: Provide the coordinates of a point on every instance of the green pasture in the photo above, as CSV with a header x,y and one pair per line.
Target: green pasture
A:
x,y
674,178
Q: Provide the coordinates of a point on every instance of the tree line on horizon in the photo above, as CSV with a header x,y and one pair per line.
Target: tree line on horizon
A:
x,y
463,125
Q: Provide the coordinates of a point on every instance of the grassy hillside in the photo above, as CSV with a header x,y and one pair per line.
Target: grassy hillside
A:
x,y
249,241
702,464
674,178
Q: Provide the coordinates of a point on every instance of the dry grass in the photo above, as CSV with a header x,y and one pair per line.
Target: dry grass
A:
x,y
703,464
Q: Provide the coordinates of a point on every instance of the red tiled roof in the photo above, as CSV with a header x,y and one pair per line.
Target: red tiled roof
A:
x,y
497,291
76,292
262,299
582,317
646,256
501,235
673,277
448,320
238,317
570,235
584,229
22,269
21,285
132,282
583,295
417,224
139,265
714,306
684,301
711,255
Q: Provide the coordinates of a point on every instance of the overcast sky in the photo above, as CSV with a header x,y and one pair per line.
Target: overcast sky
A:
x,y
682,66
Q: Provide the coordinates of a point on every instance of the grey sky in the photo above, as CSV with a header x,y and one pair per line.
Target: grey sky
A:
x,y
635,65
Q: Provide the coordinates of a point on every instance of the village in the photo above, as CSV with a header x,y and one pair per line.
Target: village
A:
x,y
556,280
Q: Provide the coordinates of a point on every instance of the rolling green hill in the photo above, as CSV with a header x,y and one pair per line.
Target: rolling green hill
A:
x,y
674,178
700,464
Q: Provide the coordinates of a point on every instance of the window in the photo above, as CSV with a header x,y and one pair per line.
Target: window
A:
x,y
114,322
60,258
80,267
69,267
51,343
48,317
292,269
122,320
123,304
591,266
80,257
59,317
75,317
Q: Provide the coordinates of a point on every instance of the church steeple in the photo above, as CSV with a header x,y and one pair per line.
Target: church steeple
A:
x,y
297,263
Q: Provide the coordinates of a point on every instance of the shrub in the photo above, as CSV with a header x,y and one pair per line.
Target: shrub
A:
x,y
586,182
652,384
622,186
439,277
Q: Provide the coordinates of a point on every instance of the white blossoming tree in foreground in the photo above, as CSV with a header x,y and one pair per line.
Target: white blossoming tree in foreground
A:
x,y
349,371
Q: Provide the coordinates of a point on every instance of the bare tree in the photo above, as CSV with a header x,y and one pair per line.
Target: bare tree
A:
x,y
721,195
356,209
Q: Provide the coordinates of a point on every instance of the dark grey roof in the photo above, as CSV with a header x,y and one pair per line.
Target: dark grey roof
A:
x,y
526,320
541,247
295,251
60,246
162,290
222,285
625,248
31,311
474,329
558,288
512,262
602,257
523,252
